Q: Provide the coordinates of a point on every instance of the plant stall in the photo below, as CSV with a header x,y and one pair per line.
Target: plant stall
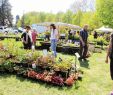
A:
x,y
39,67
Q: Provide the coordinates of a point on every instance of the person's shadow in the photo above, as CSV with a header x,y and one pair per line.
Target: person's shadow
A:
x,y
84,63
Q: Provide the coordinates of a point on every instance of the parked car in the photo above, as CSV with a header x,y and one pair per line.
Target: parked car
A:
x,y
4,29
15,30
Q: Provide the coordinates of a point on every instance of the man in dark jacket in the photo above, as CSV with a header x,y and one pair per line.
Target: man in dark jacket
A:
x,y
83,42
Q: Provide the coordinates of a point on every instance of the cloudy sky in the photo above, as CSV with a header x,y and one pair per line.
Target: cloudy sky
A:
x,y
20,6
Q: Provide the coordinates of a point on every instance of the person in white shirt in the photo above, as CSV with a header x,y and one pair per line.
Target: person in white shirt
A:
x,y
54,38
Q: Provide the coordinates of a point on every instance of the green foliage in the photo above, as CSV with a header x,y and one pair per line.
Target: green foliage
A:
x,y
91,38
47,33
94,18
59,17
6,17
42,16
76,37
94,80
63,66
68,17
50,17
19,23
99,40
80,18
105,11
77,18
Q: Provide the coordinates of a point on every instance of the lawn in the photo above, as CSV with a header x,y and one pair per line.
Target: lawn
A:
x,y
96,81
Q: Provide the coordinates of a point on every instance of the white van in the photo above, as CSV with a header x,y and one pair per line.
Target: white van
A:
x,y
3,29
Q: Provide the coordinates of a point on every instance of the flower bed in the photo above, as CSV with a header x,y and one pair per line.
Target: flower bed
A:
x,y
38,67
40,75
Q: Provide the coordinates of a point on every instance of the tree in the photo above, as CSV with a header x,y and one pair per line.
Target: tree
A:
x,y
36,17
68,17
77,18
5,13
79,7
59,17
42,16
84,13
83,5
50,17
29,19
95,21
105,11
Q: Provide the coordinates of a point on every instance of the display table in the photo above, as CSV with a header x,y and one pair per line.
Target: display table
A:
x,y
70,50
10,37
60,48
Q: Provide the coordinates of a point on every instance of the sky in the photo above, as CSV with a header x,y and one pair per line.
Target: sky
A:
x,y
22,6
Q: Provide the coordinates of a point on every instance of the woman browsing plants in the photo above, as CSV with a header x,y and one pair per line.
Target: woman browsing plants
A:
x,y
54,38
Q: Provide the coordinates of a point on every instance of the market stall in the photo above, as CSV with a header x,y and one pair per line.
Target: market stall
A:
x,y
105,29
68,48
33,65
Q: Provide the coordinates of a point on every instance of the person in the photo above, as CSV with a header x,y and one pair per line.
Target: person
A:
x,y
110,56
34,36
78,32
69,36
47,35
72,31
95,35
54,38
26,38
83,43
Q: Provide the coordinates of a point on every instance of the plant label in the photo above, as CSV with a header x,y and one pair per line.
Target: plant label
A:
x,y
45,52
33,65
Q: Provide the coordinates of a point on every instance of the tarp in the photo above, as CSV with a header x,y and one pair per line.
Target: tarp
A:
x,y
104,29
39,28
58,24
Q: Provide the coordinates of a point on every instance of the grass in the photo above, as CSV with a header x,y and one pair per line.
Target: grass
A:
x,y
96,81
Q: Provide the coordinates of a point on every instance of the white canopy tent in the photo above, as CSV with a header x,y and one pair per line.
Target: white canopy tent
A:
x,y
104,29
58,24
